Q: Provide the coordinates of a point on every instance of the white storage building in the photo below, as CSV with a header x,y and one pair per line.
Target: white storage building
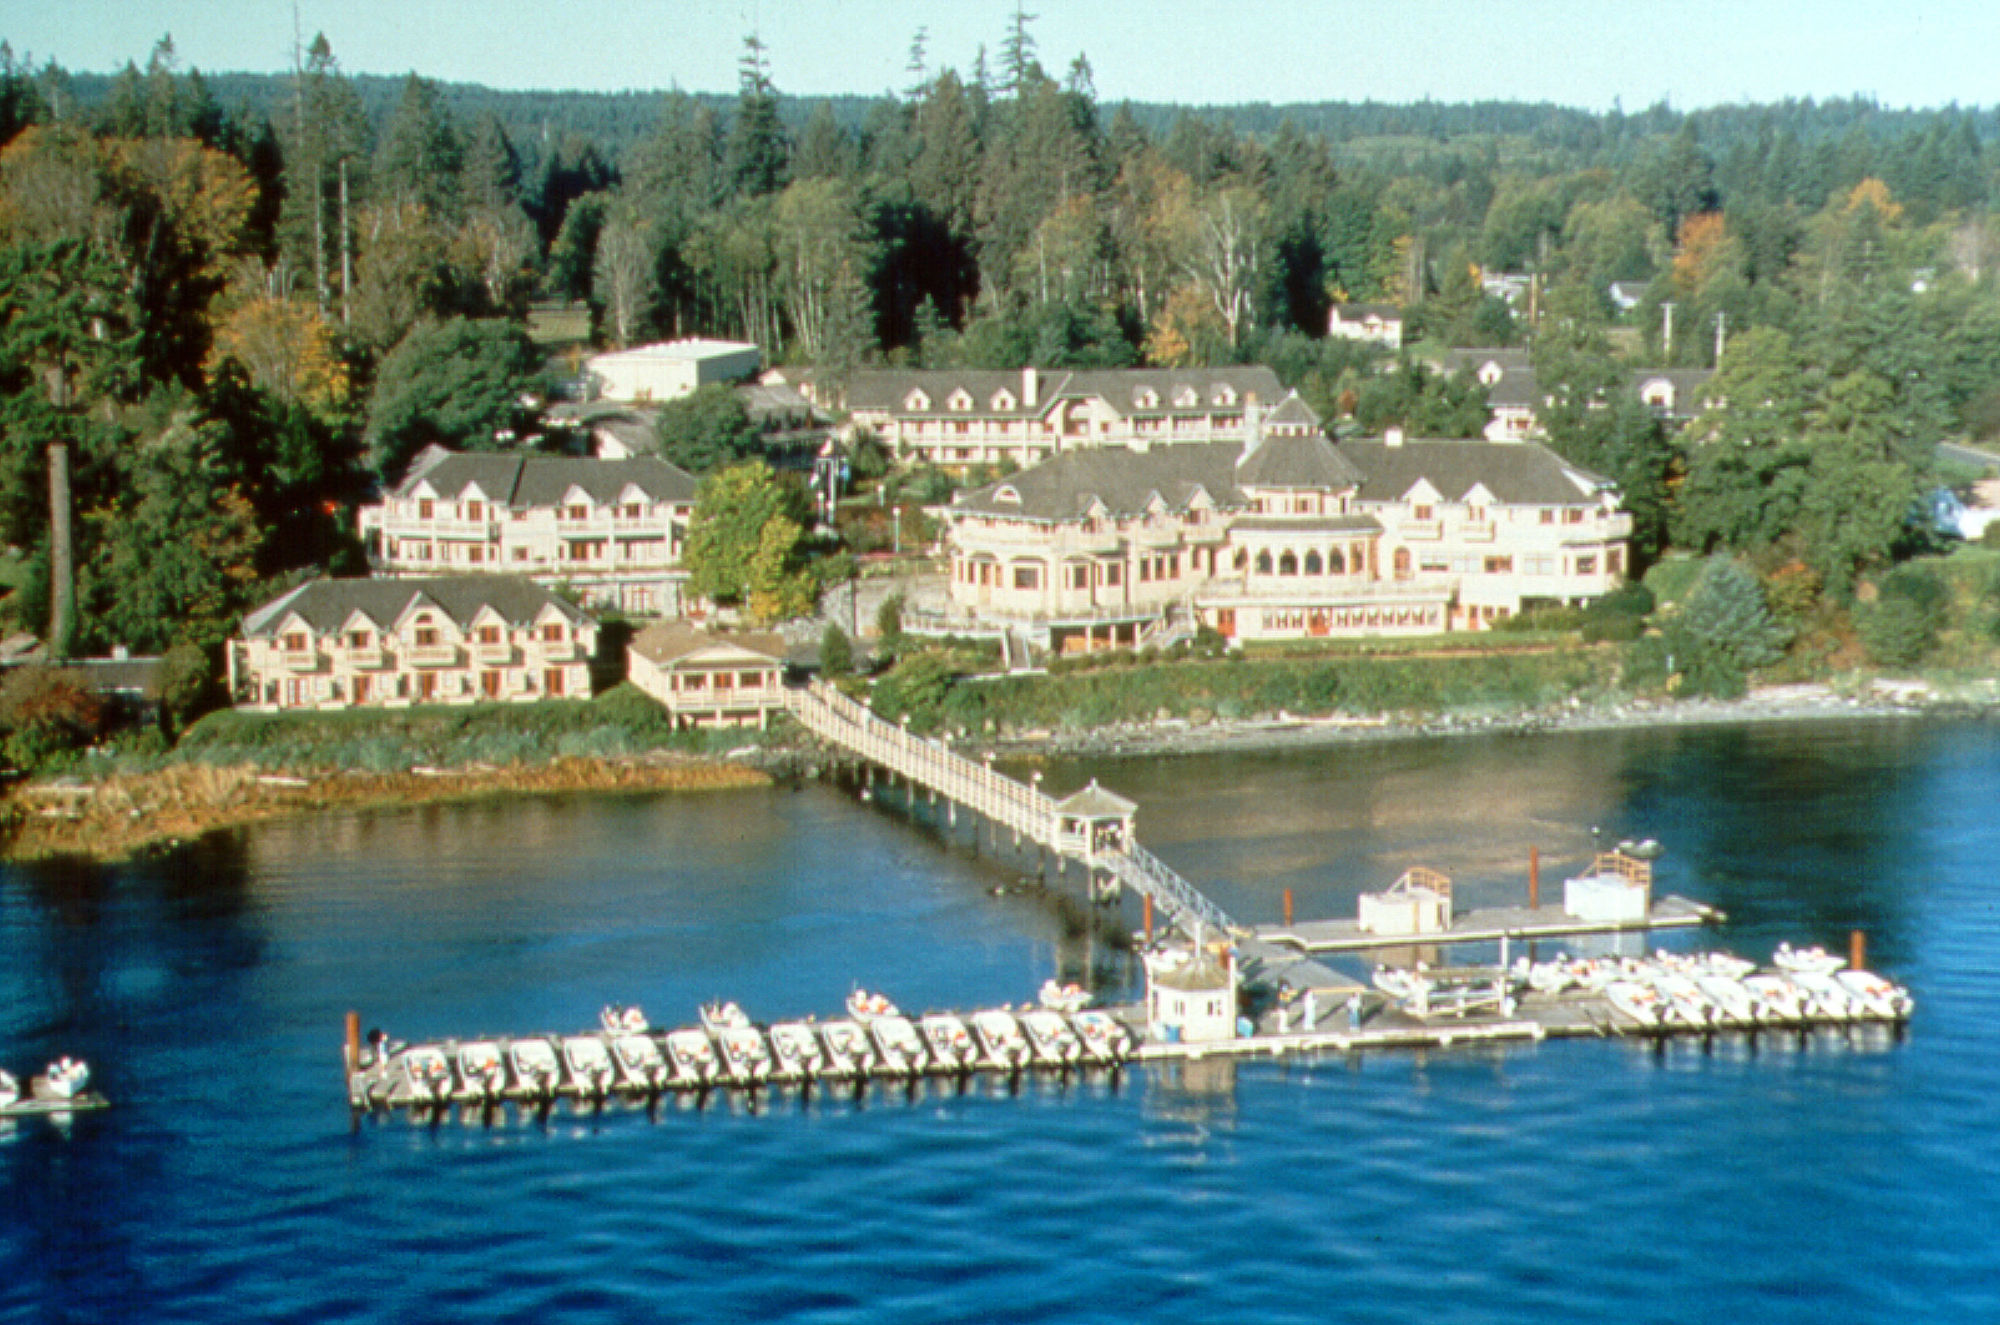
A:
x,y
669,370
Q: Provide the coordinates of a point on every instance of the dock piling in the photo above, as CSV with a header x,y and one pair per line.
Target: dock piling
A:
x,y
1857,950
1149,920
1288,908
1534,877
353,1046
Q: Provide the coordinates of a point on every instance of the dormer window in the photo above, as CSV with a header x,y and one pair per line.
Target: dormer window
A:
x,y
1148,399
1010,495
1186,398
916,402
1002,402
1225,395
960,402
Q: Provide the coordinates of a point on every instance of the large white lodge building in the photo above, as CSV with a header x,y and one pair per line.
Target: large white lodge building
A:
x,y
1283,536
610,529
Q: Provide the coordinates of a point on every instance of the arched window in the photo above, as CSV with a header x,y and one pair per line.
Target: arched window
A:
x,y
1334,564
1313,566
1264,562
1287,563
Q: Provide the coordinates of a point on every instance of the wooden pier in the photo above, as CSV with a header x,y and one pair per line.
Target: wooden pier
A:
x,y
1488,925
1093,826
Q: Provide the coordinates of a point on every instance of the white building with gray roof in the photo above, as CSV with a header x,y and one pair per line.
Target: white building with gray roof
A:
x,y
611,529
1292,537
958,418
337,644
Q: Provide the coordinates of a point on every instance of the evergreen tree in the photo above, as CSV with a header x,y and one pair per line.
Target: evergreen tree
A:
x,y
755,160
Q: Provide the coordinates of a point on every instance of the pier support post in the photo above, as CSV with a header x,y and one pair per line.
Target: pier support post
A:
x,y
1857,951
1534,877
1149,920
353,1045
1288,908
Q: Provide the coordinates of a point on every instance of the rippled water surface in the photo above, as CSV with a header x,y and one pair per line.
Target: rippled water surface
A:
x,y
1838,1179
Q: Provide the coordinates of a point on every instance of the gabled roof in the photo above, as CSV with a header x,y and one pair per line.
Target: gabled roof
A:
x,y
521,481
326,605
1358,312
1516,473
889,390
668,642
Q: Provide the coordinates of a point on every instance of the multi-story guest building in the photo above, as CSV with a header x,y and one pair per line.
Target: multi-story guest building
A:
x,y
705,679
1289,536
610,529
335,644
956,419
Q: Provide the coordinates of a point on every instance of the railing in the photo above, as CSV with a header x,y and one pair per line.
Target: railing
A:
x,y
431,655
834,717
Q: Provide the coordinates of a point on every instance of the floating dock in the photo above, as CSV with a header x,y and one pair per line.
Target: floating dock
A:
x,y
1488,925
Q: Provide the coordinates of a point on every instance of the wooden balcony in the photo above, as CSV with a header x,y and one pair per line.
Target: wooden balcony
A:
x,y
431,655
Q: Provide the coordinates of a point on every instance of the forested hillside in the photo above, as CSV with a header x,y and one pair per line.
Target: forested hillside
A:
x,y
229,305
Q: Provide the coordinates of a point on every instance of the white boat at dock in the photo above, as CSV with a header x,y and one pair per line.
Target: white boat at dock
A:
x,y
482,1072
1779,1002
691,1054
1105,1041
537,1072
848,1053
1050,1036
1641,1003
420,1076
746,1058
796,1054
864,1007
1731,1003
950,1043
1064,998
588,1062
642,1064
901,1048
722,1016
620,1018
1877,996
1001,1043
1812,961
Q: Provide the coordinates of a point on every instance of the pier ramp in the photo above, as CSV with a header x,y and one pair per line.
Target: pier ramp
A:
x,y
1092,827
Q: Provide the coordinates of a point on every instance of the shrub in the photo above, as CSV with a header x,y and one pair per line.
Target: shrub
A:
x,y
1723,632
47,712
1903,622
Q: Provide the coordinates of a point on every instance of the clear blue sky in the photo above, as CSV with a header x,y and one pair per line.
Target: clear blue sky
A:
x,y
1573,52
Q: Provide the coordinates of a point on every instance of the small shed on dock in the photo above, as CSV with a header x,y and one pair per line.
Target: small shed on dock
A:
x,y
1618,887
1417,903
1191,994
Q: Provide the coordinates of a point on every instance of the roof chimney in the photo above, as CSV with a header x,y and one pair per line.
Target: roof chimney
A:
x,y
1393,436
1031,382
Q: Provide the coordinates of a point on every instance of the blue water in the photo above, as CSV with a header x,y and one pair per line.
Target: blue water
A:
x,y
1851,1179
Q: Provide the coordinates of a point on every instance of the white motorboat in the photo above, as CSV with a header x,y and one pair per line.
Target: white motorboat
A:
x,y
589,1062
1683,1003
746,1058
63,1079
482,1073
1779,1002
1725,964
619,1019
902,1049
10,1088
642,1067
1828,998
1051,1038
1732,1002
417,1076
1000,1039
864,1007
1065,998
537,1074
1879,997
1640,1002
1400,984
691,1054
847,1050
1104,1039
722,1016
795,1052
1814,960
951,1045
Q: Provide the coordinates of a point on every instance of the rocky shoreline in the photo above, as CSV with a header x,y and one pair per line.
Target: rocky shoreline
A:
x,y
122,816
1792,703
